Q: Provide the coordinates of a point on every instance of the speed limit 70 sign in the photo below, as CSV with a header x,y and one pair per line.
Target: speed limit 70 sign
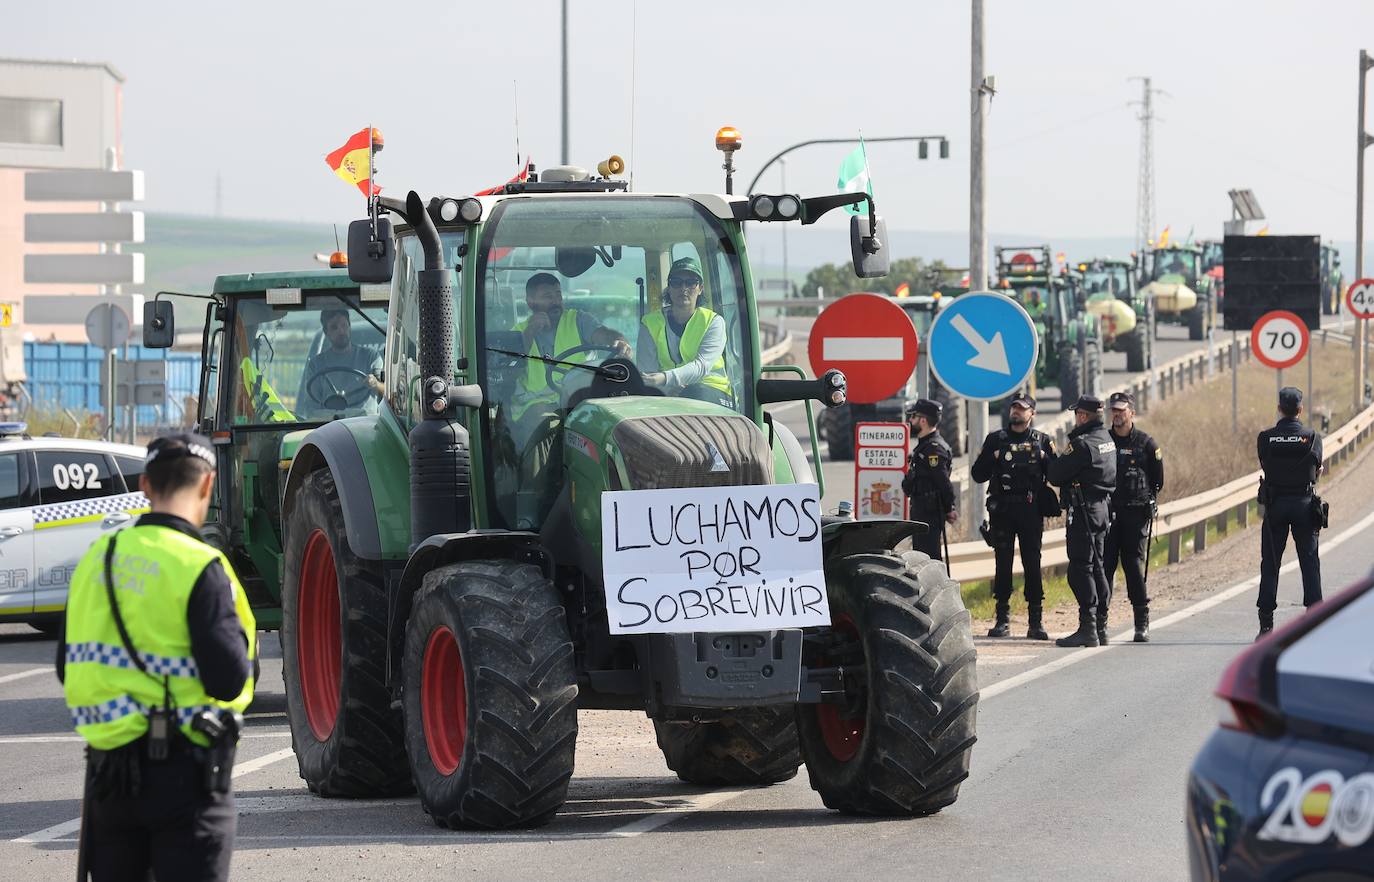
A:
x,y
1359,298
1279,339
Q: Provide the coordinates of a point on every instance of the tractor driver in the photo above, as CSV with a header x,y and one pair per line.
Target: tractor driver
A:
x,y
550,331
682,347
340,375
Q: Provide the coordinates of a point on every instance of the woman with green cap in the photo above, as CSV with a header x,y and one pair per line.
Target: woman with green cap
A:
x,y
681,348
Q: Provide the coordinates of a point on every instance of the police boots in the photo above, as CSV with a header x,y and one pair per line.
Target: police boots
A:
x,y
1142,624
1266,617
1086,635
1003,626
1102,627
1036,630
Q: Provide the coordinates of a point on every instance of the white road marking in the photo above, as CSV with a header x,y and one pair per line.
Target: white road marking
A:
x,y
654,821
32,672
862,349
1078,655
985,661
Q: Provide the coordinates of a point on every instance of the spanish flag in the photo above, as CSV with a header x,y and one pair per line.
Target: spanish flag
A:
x,y
1164,236
353,161
903,290
520,177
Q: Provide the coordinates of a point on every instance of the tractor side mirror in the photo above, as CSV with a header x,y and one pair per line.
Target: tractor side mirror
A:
x,y
868,247
829,389
159,324
370,260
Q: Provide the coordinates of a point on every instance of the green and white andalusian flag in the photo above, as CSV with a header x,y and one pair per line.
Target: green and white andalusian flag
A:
x,y
854,176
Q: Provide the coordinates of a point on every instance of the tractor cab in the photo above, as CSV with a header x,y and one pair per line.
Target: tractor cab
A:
x,y
283,353
1176,264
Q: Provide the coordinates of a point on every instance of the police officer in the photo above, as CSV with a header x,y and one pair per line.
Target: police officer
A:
x,y
1139,478
156,650
1291,456
1086,474
927,477
1013,462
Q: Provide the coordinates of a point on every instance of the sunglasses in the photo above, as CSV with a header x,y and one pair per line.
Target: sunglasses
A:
x,y
684,282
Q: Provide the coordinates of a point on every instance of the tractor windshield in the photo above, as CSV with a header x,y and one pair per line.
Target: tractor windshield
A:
x,y
1109,279
313,361
1175,263
567,283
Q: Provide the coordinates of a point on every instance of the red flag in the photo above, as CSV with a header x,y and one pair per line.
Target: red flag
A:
x,y
353,161
520,177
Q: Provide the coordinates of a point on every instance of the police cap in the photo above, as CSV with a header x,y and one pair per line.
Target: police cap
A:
x,y
1023,400
1122,400
1088,404
177,445
1290,398
931,410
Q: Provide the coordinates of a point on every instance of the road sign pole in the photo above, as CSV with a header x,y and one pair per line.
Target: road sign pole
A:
x,y
977,232
1235,381
1363,141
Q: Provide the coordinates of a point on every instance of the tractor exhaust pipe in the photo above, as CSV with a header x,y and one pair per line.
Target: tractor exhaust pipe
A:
x,y
440,471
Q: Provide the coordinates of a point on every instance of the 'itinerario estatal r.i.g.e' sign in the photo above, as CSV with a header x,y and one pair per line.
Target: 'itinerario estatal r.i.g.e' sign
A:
x,y
713,559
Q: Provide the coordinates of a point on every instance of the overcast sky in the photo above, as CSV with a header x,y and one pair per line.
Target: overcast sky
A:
x,y
1261,94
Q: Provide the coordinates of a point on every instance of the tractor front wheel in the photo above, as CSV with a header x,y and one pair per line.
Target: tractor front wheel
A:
x,y
752,745
345,733
899,743
490,696
1070,375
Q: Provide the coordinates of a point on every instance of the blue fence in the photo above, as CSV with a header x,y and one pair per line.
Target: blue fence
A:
x,y
67,375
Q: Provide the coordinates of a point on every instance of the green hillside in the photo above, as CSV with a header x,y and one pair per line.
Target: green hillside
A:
x,y
185,253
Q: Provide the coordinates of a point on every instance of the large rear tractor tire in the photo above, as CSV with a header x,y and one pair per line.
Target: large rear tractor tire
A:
x,y
839,433
901,742
1070,376
490,696
1092,368
346,735
751,745
1137,347
1197,322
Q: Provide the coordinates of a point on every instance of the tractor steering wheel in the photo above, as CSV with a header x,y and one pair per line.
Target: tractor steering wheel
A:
x,y
550,370
336,398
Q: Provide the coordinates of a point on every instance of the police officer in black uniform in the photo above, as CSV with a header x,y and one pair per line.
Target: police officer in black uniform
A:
x,y
1291,456
1086,476
1139,478
1013,463
927,477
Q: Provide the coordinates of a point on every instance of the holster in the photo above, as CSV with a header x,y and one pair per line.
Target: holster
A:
x,y
986,532
1320,512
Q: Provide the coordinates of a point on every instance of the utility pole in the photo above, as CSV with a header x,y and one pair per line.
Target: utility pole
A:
x,y
1364,140
565,160
980,92
219,195
786,279
1145,180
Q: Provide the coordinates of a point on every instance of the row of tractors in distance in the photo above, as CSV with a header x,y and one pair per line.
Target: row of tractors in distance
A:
x,y
412,491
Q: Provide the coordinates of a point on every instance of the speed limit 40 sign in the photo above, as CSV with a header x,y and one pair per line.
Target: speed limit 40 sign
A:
x,y
1359,298
1279,339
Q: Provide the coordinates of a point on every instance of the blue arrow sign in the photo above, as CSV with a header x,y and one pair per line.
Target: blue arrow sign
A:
x,y
982,346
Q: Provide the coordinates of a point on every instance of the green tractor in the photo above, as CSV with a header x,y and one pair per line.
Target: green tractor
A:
x,y
1070,338
1174,279
836,424
1333,280
1125,314
440,536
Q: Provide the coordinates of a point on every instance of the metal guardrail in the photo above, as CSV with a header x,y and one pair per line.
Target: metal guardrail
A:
x,y
973,561
776,340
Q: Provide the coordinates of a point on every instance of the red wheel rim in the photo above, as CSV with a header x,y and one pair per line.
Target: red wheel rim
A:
x,y
319,643
444,701
842,735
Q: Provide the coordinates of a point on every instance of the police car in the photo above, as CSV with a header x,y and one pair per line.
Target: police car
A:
x,y
57,496
1285,788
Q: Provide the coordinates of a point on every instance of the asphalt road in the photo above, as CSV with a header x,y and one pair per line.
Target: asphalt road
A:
x,y
1078,773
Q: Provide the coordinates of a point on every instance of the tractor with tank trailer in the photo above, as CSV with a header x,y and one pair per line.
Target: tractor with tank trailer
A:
x,y
441,585
1172,276
1124,312
1333,280
1070,338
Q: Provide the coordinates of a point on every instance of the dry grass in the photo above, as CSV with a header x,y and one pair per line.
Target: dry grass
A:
x,y
1194,429
80,424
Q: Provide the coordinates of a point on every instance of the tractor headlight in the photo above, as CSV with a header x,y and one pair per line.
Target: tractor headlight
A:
x,y
470,211
763,207
774,208
448,210
788,207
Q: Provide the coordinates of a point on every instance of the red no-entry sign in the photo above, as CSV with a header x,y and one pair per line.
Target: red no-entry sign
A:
x,y
1279,339
868,337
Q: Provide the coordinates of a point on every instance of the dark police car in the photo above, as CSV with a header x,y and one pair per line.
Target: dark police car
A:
x,y
1285,788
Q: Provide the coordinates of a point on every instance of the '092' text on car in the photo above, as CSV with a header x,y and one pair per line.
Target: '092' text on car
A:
x,y
57,496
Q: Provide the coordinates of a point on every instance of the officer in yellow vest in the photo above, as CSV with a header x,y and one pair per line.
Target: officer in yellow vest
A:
x,y
156,654
550,331
681,349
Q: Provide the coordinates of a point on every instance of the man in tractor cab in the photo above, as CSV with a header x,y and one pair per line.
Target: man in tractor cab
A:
x,y
681,348
550,331
341,375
